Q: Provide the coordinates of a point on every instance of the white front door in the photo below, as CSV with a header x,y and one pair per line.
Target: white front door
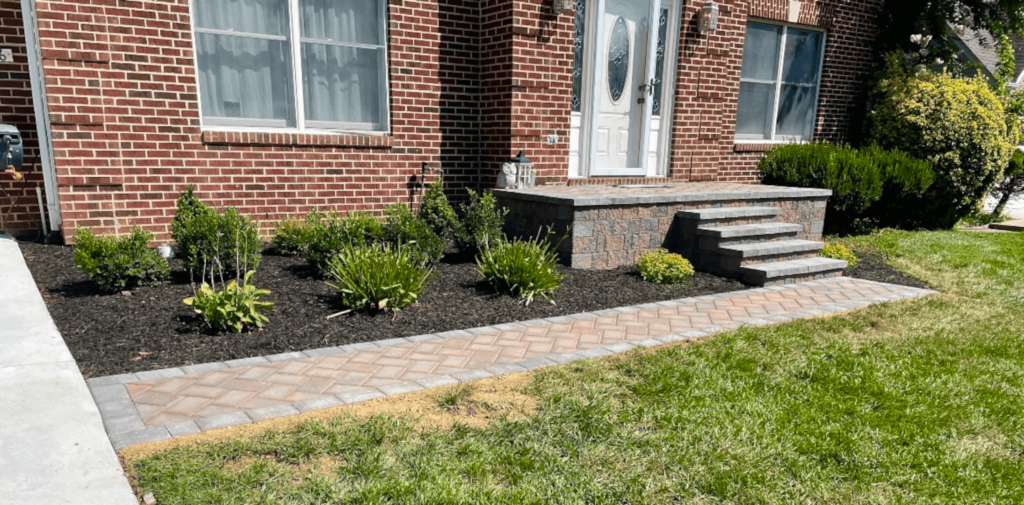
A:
x,y
619,106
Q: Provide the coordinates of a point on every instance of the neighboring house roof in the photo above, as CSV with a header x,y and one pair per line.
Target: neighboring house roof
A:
x,y
979,47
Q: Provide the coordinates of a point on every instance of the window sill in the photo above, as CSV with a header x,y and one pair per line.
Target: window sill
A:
x,y
297,139
760,147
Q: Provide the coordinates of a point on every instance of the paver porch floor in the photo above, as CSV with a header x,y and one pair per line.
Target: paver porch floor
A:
x,y
166,403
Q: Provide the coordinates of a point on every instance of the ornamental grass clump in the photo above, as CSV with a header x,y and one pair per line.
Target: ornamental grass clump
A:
x,y
663,267
379,276
234,308
839,252
522,268
118,263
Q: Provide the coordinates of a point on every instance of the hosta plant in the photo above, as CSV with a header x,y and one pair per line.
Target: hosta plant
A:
x,y
523,268
118,263
379,276
234,308
663,267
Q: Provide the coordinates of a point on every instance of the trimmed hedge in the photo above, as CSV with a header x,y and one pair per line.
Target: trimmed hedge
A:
x,y
858,179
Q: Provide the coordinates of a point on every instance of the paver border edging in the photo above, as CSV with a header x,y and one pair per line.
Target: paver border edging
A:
x,y
125,427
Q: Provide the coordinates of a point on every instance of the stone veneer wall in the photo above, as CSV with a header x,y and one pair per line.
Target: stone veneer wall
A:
x,y
608,236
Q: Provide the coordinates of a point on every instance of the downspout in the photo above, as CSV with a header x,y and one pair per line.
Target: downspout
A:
x,y
37,79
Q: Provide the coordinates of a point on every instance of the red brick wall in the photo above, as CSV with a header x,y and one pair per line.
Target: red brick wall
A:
x,y
472,81
22,214
122,92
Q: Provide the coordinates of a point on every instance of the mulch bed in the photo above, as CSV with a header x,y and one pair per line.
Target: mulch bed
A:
x,y
872,267
152,329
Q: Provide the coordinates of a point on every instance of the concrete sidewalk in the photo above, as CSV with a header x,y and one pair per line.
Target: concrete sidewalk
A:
x,y
53,448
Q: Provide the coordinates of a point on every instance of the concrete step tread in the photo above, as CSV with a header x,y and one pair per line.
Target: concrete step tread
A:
x,y
1015,225
728,213
750,230
756,249
793,268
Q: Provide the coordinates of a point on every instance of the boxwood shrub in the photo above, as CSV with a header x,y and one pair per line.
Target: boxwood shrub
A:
x,y
118,263
212,244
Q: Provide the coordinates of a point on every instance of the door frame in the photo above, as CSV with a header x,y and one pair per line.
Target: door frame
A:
x,y
592,72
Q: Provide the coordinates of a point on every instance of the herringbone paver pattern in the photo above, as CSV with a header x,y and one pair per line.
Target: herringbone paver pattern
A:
x,y
225,395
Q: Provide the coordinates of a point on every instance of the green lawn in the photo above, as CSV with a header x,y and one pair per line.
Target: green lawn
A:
x,y
911,402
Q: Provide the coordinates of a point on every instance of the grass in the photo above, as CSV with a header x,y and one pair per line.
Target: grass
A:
x,y
910,402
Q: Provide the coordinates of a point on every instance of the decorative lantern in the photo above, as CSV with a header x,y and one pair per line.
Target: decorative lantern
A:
x,y
708,17
517,173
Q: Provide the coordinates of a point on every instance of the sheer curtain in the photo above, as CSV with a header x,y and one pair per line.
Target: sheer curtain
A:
x,y
343,62
245,68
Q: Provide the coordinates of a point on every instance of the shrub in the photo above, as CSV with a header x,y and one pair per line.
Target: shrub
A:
x,y
212,243
957,124
292,236
482,222
523,268
118,263
329,234
436,212
402,227
378,276
839,252
233,308
663,267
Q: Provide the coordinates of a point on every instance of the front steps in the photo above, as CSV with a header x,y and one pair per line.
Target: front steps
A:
x,y
747,243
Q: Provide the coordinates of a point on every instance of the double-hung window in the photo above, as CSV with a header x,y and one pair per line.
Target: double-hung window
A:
x,y
299,64
779,83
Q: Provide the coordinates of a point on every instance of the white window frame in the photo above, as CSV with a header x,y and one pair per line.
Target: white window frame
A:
x,y
790,139
295,41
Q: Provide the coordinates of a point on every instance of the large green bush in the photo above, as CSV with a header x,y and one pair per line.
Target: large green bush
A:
x,y
858,179
118,263
211,244
958,124
402,227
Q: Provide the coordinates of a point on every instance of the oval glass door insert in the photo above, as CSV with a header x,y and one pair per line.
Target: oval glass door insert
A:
x,y
618,58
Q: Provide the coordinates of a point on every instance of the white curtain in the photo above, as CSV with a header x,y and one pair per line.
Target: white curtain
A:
x,y
243,76
342,83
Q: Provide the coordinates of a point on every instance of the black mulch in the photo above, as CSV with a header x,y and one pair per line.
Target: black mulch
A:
x,y
152,329
872,267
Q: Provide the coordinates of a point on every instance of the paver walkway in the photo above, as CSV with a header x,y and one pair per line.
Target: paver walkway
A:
x,y
53,448
156,405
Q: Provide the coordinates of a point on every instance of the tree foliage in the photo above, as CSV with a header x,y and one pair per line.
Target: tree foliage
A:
x,y
900,19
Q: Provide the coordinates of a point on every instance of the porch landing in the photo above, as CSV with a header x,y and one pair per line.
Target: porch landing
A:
x,y
611,226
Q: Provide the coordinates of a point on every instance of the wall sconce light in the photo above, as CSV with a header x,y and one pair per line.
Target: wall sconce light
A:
x,y
560,6
708,17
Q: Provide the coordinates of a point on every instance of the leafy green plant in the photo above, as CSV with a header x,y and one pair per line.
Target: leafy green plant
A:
x,y
482,222
663,267
211,244
379,276
292,236
522,268
402,227
329,234
839,252
437,212
957,124
859,179
118,263
234,308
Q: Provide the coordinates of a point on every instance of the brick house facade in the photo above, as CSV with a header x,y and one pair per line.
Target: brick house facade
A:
x,y
470,82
